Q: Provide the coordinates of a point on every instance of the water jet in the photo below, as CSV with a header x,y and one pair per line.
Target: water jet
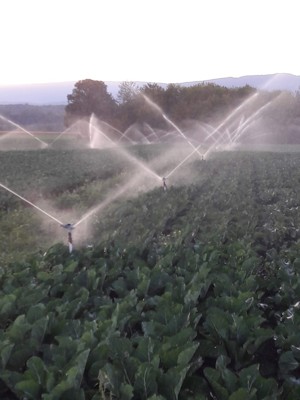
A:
x,y
44,144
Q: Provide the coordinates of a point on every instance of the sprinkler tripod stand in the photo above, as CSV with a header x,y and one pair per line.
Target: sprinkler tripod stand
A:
x,y
164,183
69,228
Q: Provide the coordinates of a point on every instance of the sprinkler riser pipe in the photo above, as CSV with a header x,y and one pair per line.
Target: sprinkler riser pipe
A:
x,y
69,228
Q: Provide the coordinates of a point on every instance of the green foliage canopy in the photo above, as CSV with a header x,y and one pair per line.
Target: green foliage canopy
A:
x,y
89,97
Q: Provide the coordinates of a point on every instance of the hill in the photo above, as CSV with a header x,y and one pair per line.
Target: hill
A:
x,y
271,82
56,93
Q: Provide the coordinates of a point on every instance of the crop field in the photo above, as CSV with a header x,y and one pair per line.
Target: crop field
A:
x,y
188,293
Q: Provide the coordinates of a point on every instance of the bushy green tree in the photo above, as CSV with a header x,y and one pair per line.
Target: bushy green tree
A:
x,y
89,97
127,98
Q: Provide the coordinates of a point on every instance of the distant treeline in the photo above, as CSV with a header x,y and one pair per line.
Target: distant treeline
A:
x,y
273,116
155,106
148,103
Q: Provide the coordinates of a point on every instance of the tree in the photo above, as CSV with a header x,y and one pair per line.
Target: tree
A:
x,y
128,98
89,97
127,92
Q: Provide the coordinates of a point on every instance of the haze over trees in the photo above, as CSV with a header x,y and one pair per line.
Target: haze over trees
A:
x,y
202,103
178,102
205,103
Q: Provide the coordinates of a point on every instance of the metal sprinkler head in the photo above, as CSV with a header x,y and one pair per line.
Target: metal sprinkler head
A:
x,y
164,183
69,228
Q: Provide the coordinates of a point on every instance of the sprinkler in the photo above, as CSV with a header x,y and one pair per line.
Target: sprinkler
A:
x,y
69,228
164,183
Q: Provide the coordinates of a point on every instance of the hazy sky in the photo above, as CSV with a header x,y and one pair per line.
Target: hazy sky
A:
x,y
146,40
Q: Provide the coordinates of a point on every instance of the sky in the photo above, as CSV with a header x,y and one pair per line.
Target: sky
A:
x,y
168,41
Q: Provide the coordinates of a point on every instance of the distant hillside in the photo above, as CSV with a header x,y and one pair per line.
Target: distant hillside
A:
x,y
56,93
32,117
271,82
43,93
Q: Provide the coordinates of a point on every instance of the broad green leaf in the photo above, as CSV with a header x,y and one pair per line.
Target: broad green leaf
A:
x,y
119,347
214,379
18,329
39,329
145,383
75,374
29,389
249,375
287,362
114,376
218,322
36,312
71,267
6,349
126,392
58,391
37,369
19,355
242,394
72,380
222,362
7,304
170,383
144,350
186,355
43,276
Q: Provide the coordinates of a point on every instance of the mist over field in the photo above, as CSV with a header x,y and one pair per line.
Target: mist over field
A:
x,y
149,244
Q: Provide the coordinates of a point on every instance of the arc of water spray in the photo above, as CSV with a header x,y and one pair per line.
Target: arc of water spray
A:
x,y
60,135
23,130
190,155
154,105
181,163
246,123
152,130
113,196
231,115
228,134
226,120
124,135
111,127
101,205
208,132
136,161
30,203
129,157
182,134
121,134
139,163
217,129
98,130
242,126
